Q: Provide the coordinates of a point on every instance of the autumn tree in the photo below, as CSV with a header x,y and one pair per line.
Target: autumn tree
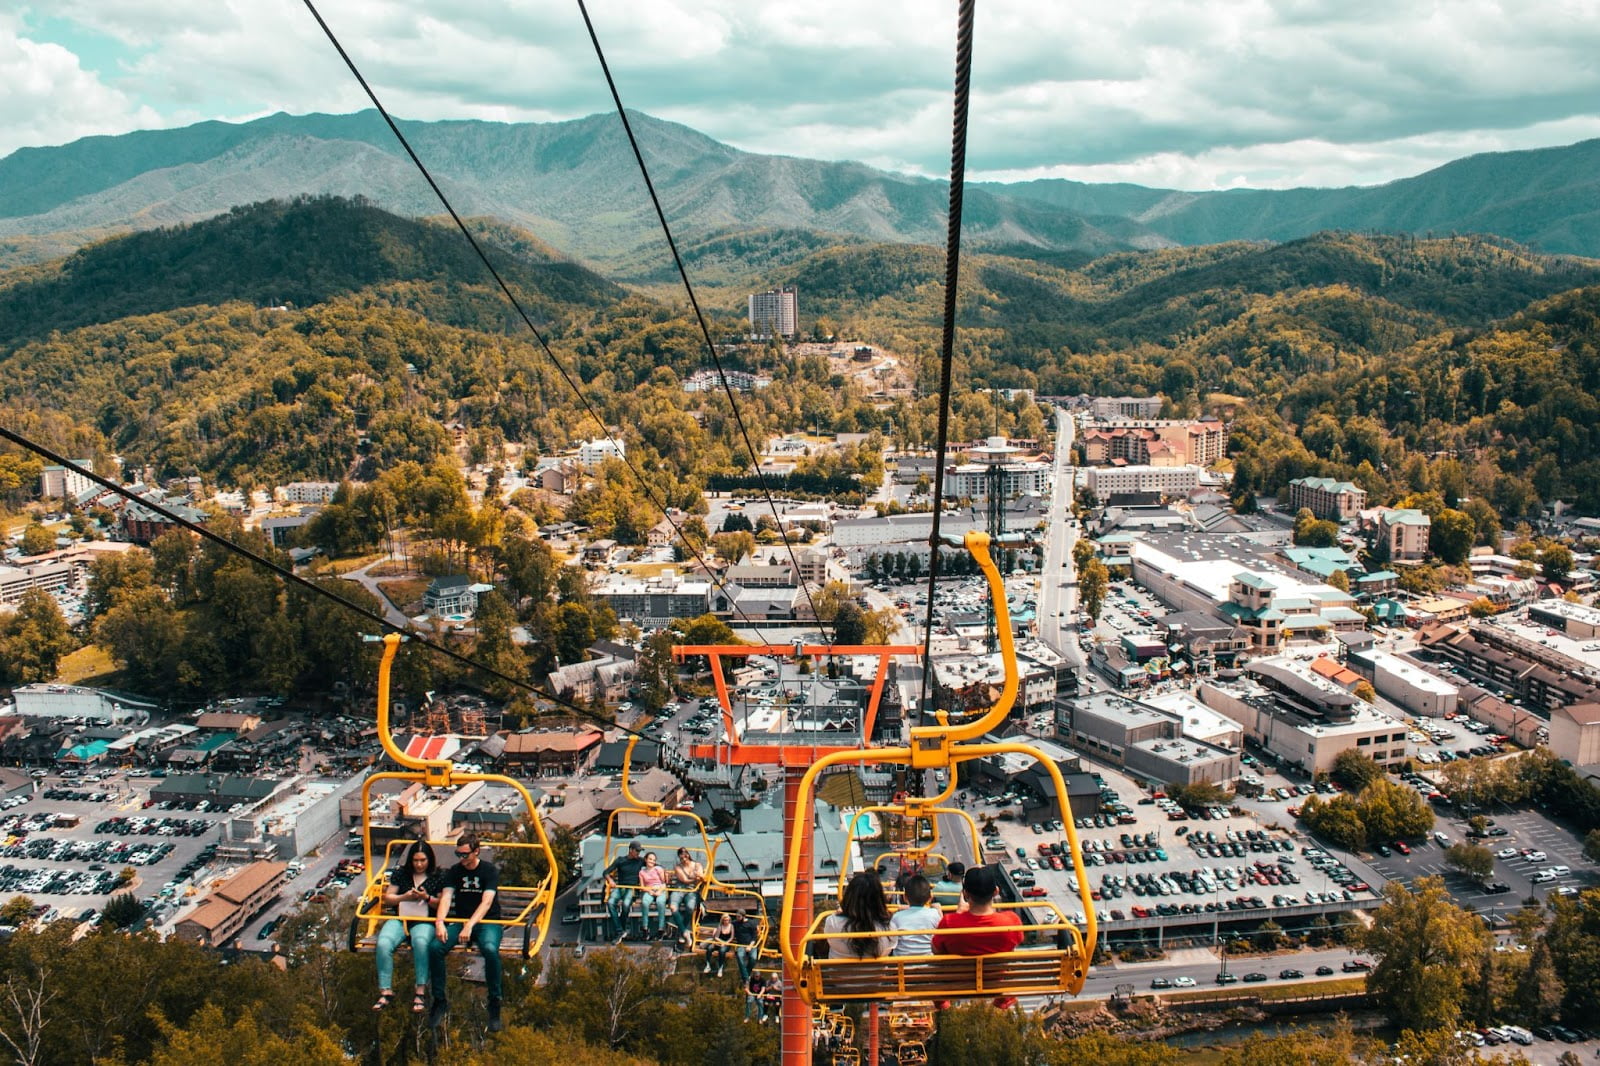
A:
x,y
1428,954
34,639
1470,859
1451,536
1355,770
1093,580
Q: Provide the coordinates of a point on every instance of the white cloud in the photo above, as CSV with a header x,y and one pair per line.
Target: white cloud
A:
x,y
1273,92
48,98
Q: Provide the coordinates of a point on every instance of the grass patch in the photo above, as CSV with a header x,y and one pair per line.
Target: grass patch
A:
x,y
392,569
648,569
403,592
344,566
89,665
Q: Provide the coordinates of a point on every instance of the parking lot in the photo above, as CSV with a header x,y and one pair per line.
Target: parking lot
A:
x,y
65,846
1145,863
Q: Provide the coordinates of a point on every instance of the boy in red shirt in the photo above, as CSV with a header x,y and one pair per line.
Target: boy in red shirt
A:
x,y
977,911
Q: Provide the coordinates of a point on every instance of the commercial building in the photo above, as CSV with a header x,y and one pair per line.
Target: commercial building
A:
x,y
1155,443
17,581
592,453
1327,498
1403,533
233,903
65,483
1541,678
1147,741
1304,721
774,313
308,491
1574,619
1107,481
93,705
1108,408
296,819
551,753
1405,683
1575,733
654,602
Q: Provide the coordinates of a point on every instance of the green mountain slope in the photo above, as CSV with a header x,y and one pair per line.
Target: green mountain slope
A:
x,y
299,253
573,184
1547,198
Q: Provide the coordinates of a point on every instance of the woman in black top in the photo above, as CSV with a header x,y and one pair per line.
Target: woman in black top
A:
x,y
413,893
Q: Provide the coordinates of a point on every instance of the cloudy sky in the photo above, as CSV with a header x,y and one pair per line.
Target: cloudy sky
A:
x,y
1266,93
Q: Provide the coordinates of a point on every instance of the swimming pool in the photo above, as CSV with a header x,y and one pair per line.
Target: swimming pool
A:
x,y
864,825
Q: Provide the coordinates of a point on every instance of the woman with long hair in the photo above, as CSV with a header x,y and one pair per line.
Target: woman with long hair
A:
x,y
413,891
862,909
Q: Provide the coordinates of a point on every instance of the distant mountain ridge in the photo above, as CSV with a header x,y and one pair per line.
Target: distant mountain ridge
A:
x,y
574,185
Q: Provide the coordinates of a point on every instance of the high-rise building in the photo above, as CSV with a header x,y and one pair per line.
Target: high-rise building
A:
x,y
774,313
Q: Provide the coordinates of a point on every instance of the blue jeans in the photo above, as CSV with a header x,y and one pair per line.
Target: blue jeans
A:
x,y
745,955
389,937
487,939
681,908
621,905
717,955
653,903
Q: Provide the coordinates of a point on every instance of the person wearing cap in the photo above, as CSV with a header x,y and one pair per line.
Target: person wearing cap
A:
x,y
977,911
622,885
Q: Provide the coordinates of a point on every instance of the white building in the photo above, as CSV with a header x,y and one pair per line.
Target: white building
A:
x,y
1405,683
75,701
1105,481
1106,408
308,491
592,453
1311,743
65,483
774,313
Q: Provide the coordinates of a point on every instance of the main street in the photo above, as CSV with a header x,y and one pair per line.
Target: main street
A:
x,y
1058,588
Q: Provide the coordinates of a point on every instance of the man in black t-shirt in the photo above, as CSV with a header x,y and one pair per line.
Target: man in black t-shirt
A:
x,y
471,894
622,884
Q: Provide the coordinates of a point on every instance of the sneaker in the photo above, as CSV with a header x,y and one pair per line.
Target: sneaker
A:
x,y
707,969
438,1012
719,971
494,1016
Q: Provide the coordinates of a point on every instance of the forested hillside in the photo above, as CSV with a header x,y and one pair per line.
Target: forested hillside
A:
x,y
300,253
1476,347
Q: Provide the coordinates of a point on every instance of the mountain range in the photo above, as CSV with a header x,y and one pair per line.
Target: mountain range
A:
x,y
739,215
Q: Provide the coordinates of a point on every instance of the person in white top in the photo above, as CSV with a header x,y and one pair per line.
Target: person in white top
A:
x,y
862,909
916,914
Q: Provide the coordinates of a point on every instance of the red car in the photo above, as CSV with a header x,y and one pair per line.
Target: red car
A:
x,y
1056,863
1033,891
1402,847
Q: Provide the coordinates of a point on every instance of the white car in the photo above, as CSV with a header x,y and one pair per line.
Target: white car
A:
x,y
1506,853
1534,856
1183,982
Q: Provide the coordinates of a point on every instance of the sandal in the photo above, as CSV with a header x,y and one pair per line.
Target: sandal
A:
x,y
385,998
419,1003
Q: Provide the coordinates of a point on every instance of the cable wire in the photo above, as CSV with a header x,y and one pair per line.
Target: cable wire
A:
x,y
566,375
705,331
952,273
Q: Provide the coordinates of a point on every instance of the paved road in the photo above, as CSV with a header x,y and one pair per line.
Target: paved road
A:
x,y
1058,590
391,613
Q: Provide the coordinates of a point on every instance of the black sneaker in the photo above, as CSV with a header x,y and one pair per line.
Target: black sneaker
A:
x,y
494,1016
438,1012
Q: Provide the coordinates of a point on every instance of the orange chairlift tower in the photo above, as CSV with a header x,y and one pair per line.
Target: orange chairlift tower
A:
x,y
801,756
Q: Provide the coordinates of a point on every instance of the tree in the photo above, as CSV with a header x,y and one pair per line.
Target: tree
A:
x,y
1093,580
36,539
1429,952
1482,607
1365,692
1556,562
849,624
1470,859
1451,535
1339,580
1591,845
1337,820
121,911
1200,794
1390,811
1355,770
34,639
17,911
